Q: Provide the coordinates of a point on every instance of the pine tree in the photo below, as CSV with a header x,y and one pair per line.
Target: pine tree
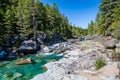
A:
x,y
8,20
40,15
106,21
24,15
50,17
91,28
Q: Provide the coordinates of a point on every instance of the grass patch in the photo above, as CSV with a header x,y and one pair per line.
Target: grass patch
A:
x,y
99,63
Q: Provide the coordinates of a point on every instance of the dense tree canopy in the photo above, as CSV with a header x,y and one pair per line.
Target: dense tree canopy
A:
x,y
21,17
108,17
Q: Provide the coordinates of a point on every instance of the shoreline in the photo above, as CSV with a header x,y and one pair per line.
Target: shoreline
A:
x,y
81,57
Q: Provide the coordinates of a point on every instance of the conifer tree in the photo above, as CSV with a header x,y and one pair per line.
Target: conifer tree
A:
x,y
24,15
91,28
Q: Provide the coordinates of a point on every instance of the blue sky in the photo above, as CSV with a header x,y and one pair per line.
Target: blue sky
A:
x,y
79,12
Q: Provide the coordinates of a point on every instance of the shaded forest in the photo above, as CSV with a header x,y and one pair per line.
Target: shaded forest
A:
x,y
23,18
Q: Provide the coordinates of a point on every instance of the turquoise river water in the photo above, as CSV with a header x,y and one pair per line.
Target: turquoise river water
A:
x,y
11,71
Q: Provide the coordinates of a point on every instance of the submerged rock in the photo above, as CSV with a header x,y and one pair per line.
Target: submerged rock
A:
x,y
16,75
11,76
4,64
24,61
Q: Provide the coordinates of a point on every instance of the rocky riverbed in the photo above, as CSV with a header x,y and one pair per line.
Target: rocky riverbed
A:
x,y
78,60
78,63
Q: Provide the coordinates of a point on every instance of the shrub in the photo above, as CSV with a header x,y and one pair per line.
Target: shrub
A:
x,y
17,43
48,34
116,33
99,63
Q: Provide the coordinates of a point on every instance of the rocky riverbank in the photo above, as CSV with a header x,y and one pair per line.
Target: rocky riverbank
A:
x,y
78,63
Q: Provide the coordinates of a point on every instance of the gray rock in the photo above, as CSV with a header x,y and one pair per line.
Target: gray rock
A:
x,y
57,71
41,37
110,53
74,77
77,59
119,69
118,50
46,49
111,44
27,46
118,45
60,47
88,37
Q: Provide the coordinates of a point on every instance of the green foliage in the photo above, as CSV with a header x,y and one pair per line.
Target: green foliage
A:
x,y
40,14
78,31
17,43
91,28
16,17
116,32
99,63
7,19
24,15
108,16
48,37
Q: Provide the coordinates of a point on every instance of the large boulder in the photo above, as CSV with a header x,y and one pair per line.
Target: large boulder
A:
x,y
55,48
3,54
41,37
57,72
27,47
11,56
110,44
110,70
60,47
56,38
